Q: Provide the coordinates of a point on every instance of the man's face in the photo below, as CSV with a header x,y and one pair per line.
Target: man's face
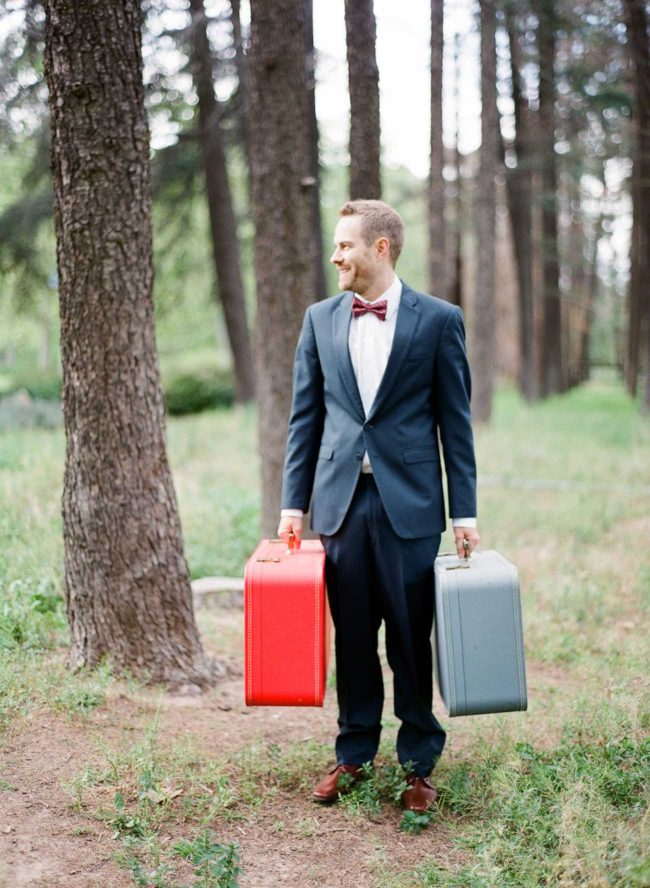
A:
x,y
358,264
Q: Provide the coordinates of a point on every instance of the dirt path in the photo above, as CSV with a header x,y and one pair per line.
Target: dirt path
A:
x,y
43,842
287,841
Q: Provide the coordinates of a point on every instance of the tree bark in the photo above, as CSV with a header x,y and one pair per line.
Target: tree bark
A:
x,y
126,581
591,292
632,353
363,76
317,229
223,222
241,63
484,340
456,282
553,371
519,192
282,211
638,338
437,254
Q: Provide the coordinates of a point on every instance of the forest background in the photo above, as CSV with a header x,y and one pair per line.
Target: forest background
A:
x,y
128,757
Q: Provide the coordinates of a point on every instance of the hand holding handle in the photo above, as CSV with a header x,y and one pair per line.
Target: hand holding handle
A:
x,y
293,543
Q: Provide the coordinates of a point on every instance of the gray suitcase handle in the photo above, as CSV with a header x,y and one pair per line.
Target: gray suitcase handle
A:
x,y
466,560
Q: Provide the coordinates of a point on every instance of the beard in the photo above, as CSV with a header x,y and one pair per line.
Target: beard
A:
x,y
357,279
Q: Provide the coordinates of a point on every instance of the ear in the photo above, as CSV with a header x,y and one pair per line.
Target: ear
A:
x,y
382,246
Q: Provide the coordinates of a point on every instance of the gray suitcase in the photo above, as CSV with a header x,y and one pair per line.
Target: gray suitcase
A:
x,y
477,638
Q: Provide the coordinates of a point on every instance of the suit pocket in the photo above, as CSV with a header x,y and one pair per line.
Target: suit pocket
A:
x,y
325,452
421,454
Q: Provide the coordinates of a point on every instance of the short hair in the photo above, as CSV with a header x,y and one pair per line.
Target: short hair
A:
x,y
377,220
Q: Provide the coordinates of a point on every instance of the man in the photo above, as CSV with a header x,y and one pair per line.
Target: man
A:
x,y
380,371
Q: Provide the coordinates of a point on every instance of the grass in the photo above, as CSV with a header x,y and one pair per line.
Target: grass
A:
x,y
555,796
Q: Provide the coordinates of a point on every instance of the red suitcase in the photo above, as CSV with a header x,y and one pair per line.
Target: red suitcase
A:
x,y
287,622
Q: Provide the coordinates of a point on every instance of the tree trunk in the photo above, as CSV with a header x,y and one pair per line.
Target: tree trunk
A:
x,y
363,76
635,290
126,581
456,283
591,292
437,255
484,339
317,230
519,194
223,222
553,379
243,100
282,211
639,299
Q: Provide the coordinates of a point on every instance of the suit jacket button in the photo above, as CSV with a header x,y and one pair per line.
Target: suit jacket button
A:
x,y
359,456
370,425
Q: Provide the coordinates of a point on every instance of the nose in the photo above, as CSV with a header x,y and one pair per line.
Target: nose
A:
x,y
335,257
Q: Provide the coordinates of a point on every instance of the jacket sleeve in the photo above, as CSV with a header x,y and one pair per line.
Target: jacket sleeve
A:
x,y
305,422
453,388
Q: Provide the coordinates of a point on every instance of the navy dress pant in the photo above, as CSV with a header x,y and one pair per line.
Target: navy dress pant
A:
x,y
372,574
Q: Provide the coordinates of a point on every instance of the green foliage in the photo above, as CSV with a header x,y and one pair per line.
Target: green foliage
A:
x,y
123,822
44,387
384,783
144,877
215,865
79,699
534,815
31,678
31,613
414,822
191,393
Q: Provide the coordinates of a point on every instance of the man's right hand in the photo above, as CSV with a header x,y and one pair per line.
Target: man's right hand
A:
x,y
289,524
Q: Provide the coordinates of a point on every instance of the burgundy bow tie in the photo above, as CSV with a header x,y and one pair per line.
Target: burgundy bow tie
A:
x,y
360,307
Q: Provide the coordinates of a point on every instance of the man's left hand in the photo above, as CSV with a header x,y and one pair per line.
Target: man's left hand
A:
x,y
466,533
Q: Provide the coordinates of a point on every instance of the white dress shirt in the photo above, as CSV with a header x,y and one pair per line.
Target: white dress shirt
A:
x,y
370,340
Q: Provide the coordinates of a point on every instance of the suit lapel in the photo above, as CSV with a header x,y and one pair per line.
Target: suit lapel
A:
x,y
408,318
340,332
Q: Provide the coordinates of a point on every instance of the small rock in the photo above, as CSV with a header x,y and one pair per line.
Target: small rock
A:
x,y
218,592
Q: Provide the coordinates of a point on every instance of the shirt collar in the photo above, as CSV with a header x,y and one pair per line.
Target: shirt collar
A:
x,y
392,297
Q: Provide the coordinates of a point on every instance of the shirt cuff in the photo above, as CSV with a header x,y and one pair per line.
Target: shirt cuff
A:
x,y
291,513
463,522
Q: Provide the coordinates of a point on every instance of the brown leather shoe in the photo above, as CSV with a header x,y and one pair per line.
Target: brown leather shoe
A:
x,y
420,795
328,790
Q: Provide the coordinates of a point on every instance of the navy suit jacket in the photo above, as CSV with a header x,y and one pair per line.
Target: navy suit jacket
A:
x,y
423,399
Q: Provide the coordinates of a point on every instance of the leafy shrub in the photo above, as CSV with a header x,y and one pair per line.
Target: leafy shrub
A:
x,y
191,392
32,614
214,864
46,388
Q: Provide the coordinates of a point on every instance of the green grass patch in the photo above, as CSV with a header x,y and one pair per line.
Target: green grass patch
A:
x,y
562,816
